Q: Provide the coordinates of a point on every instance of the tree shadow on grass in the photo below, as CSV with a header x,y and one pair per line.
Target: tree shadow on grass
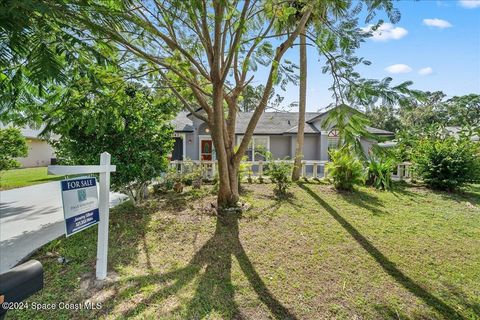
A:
x,y
402,188
362,199
214,291
441,307
467,194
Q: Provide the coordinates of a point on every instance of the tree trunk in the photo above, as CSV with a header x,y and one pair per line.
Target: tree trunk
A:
x,y
301,107
228,195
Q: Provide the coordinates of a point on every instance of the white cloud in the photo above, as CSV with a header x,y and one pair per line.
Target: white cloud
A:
x,y
386,31
437,23
398,68
470,4
425,71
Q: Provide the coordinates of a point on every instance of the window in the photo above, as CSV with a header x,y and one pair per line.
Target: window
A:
x,y
257,148
333,139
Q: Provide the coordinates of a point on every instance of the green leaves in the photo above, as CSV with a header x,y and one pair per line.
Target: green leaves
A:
x,y
280,172
40,49
127,120
345,169
12,145
379,174
352,127
447,164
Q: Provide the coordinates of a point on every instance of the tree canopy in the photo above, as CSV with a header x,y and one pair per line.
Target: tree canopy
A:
x,y
433,110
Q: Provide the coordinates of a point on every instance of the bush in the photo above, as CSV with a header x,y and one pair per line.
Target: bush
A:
x,y
345,169
280,172
12,145
379,174
129,121
166,182
447,164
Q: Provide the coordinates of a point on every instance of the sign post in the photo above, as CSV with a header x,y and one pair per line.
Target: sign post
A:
x,y
104,170
102,246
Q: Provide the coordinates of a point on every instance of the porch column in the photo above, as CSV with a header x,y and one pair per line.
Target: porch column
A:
x,y
324,146
184,145
293,144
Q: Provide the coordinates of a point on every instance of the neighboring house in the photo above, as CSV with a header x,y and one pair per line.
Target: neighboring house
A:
x,y
452,131
40,152
456,131
275,132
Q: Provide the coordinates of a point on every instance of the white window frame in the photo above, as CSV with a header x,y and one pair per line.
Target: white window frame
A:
x,y
240,138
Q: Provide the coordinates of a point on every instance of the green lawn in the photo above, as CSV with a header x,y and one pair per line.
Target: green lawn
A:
x,y
17,178
318,254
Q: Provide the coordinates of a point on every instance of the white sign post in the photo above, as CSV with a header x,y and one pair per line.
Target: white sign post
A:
x,y
104,170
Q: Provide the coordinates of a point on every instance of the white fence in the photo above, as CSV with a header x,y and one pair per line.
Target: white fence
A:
x,y
310,168
403,172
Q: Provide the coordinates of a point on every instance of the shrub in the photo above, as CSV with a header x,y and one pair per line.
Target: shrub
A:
x,y
447,164
166,182
345,169
192,174
132,130
12,145
379,174
280,172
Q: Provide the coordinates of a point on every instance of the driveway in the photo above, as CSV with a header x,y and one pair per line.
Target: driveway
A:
x,y
31,217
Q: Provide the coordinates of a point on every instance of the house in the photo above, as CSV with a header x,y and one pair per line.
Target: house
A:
x,y
40,152
275,132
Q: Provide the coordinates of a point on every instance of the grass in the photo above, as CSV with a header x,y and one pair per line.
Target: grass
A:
x,y
316,254
17,178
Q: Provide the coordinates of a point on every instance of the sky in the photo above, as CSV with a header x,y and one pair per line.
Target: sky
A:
x,y
436,44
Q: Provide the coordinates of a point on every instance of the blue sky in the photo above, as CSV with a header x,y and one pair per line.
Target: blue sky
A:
x,y
436,44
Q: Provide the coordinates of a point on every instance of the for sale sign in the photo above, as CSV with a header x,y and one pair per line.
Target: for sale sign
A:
x,y
80,204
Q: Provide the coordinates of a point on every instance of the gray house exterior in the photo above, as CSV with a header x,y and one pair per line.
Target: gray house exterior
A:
x,y
275,132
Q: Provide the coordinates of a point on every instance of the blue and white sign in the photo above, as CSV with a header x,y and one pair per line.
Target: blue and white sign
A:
x,y
80,204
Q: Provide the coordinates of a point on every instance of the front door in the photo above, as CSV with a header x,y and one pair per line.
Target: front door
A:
x,y
206,150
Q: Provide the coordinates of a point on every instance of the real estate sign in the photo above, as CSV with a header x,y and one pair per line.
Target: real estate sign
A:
x,y
80,204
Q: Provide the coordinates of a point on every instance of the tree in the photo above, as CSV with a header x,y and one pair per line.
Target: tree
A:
x,y
130,122
297,166
337,8
463,110
212,71
384,117
204,52
424,112
345,39
12,145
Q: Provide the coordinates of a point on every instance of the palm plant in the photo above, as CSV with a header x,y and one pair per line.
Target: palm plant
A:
x,y
379,173
318,17
345,169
